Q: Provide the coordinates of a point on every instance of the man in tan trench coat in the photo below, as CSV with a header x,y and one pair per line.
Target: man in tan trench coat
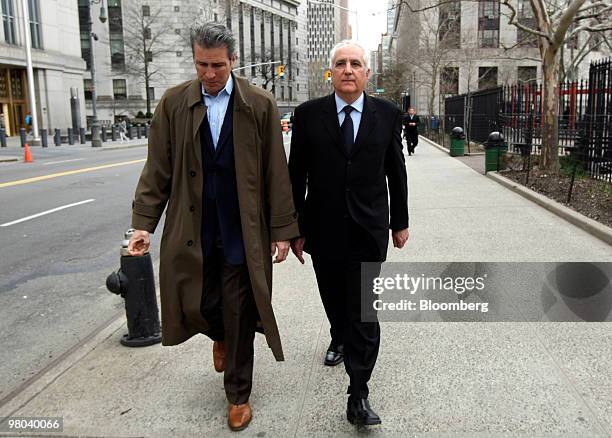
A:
x,y
216,158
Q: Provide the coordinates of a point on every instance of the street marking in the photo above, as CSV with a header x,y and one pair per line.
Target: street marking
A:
x,y
34,216
63,161
69,172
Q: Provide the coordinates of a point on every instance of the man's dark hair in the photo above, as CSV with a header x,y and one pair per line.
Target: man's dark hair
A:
x,y
212,35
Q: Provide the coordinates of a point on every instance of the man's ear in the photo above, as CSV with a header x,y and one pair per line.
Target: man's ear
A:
x,y
233,61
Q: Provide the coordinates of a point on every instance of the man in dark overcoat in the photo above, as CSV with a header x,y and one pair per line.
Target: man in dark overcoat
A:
x,y
346,157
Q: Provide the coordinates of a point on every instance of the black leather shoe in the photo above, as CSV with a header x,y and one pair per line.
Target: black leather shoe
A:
x,y
334,355
359,412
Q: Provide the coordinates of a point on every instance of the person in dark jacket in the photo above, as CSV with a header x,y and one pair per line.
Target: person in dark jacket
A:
x,y
346,157
411,129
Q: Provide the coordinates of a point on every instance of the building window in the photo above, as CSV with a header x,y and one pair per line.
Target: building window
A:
x,y
487,77
88,88
146,10
488,23
177,9
216,17
179,54
115,30
177,31
151,93
527,75
84,31
35,24
119,89
449,25
449,81
8,21
147,33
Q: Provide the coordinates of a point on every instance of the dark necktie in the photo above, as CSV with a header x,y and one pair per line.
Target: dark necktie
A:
x,y
347,128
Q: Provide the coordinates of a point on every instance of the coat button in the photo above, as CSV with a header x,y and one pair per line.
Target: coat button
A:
x,y
192,173
192,208
190,243
350,162
348,190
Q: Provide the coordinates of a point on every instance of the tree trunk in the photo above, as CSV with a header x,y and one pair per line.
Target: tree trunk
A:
x,y
550,104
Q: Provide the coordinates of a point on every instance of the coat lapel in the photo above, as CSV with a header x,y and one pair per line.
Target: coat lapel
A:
x,y
198,112
366,125
329,116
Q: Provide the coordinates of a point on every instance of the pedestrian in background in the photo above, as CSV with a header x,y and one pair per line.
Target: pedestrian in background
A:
x,y
344,149
229,212
122,131
411,129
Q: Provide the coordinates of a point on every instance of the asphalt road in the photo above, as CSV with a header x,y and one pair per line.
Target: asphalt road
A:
x,y
61,224
53,267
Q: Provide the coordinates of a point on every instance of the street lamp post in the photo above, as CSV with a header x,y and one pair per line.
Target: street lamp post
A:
x,y
96,141
30,72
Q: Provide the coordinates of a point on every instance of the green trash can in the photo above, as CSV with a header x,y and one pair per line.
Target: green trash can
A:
x,y
457,146
495,148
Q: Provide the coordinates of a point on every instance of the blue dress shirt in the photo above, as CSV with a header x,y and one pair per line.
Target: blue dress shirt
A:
x,y
216,108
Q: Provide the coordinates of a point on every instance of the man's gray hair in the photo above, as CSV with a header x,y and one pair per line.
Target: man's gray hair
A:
x,y
344,43
211,36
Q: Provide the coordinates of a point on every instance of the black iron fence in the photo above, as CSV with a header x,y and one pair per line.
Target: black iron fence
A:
x,y
585,118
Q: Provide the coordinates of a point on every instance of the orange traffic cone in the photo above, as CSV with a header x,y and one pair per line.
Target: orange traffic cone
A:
x,y
28,154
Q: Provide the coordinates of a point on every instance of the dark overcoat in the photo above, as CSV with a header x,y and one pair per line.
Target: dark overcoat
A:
x,y
173,176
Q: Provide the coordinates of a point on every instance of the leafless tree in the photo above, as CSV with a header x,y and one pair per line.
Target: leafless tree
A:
x,y
554,23
146,32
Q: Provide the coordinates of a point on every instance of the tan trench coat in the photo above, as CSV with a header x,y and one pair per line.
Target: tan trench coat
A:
x,y
172,175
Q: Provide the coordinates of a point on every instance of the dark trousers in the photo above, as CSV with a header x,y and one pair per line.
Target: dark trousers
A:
x,y
229,308
340,286
412,139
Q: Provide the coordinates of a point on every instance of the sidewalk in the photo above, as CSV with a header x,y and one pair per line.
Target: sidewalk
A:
x,y
431,379
13,144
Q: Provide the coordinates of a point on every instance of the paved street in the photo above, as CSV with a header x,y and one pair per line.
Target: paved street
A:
x,y
431,379
53,267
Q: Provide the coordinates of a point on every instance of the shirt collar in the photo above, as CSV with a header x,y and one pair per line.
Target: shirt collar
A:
x,y
357,105
229,87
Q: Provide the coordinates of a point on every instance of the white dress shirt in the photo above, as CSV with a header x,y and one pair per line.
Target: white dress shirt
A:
x,y
355,114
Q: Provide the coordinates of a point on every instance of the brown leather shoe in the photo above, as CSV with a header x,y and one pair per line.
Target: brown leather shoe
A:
x,y
239,416
219,356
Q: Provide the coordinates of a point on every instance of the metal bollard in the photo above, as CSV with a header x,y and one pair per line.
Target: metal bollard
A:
x,y
70,137
57,137
2,137
82,135
147,130
22,136
138,131
103,133
135,282
43,138
114,134
130,132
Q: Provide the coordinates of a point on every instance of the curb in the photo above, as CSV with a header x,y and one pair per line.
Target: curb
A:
x,y
589,225
443,149
8,159
22,395
129,146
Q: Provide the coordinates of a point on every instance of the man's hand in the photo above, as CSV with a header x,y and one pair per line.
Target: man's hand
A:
x,y
297,246
400,238
283,250
139,243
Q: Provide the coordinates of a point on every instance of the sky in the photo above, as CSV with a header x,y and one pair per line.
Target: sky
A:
x,y
369,21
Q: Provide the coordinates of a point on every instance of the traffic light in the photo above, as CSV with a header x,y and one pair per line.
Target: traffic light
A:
x,y
280,70
327,75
